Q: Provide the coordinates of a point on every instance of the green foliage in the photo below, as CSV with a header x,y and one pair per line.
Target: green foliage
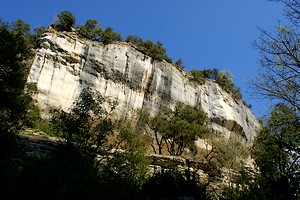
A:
x,y
276,150
109,36
45,126
179,127
156,51
20,28
34,38
223,78
231,151
88,123
226,158
16,105
92,30
179,64
198,76
65,21
69,172
127,170
133,158
279,77
201,76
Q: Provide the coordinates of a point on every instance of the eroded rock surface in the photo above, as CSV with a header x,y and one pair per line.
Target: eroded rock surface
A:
x,y
65,64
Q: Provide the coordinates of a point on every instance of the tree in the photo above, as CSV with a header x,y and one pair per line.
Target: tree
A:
x,y
179,64
16,104
109,36
21,28
229,153
277,151
65,21
179,127
223,78
34,38
291,10
88,122
127,169
135,40
279,76
156,51
91,30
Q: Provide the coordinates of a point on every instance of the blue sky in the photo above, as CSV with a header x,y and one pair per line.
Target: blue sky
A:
x,y
203,33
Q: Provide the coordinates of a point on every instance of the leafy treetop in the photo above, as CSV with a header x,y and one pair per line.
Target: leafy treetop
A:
x,y
178,128
16,104
65,21
156,51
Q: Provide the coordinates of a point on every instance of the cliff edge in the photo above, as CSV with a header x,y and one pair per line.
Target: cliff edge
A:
x,y
65,64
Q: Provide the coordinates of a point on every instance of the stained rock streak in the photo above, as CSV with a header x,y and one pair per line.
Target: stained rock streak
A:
x,y
65,64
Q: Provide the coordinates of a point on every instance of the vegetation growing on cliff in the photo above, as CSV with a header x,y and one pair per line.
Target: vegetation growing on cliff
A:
x,y
69,171
276,148
65,21
87,123
156,51
176,129
92,30
16,107
223,78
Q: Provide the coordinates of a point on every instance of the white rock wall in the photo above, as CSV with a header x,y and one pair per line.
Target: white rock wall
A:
x,y
65,64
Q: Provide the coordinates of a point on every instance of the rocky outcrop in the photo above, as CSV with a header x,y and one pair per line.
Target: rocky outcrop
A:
x,y
65,64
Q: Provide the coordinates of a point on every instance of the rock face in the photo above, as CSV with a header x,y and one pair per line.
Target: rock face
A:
x,y
65,64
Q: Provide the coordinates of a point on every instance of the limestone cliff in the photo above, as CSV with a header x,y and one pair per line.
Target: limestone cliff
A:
x,y
65,64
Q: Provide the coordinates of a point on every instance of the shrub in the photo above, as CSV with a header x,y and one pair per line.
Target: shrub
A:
x,y
156,51
223,78
65,21
91,30
179,64
109,36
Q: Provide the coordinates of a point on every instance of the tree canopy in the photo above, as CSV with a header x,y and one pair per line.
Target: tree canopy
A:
x,y
276,148
16,104
88,122
91,30
179,127
277,153
65,21
156,51
279,76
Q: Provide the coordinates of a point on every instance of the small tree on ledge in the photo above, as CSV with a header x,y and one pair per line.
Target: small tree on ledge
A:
x,y
179,127
65,21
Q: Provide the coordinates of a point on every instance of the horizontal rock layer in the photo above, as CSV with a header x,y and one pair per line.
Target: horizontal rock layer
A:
x,y
65,64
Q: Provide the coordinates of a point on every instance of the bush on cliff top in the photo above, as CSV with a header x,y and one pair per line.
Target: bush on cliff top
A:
x,y
223,78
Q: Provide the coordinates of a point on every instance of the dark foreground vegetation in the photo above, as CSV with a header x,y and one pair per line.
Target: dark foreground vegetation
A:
x,y
70,170
68,174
